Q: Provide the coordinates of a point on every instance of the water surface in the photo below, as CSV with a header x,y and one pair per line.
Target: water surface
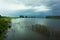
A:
x,y
21,28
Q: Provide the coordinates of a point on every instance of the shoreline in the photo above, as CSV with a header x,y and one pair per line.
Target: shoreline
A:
x,y
4,25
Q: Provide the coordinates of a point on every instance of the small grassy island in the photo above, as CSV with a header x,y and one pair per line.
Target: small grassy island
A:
x,y
4,25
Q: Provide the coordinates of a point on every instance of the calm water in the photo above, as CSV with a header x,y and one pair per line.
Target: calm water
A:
x,y
21,28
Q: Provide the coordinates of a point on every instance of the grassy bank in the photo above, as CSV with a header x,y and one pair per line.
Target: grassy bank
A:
x,y
4,22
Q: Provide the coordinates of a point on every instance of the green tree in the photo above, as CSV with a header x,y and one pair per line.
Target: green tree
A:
x,y
21,16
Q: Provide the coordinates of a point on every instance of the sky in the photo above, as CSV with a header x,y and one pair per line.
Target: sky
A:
x,y
29,7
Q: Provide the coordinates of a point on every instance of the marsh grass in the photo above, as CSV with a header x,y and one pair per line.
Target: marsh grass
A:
x,y
3,26
42,29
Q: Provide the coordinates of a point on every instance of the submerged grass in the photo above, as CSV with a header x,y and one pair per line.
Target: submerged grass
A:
x,y
4,22
44,30
41,29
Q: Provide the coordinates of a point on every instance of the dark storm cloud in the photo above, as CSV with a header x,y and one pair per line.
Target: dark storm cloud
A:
x,y
53,4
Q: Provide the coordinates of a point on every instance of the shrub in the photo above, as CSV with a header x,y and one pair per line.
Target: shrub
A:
x,y
3,27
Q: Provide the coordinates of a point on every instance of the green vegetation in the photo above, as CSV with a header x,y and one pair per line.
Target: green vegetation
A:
x,y
4,23
53,17
41,29
21,16
44,30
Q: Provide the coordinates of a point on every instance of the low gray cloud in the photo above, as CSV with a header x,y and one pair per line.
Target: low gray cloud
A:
x,y
53,4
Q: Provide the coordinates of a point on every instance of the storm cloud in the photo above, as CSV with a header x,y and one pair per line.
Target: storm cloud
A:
x,y
29,7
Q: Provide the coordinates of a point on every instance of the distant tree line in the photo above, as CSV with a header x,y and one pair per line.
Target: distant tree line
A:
x,y
53,17
21,16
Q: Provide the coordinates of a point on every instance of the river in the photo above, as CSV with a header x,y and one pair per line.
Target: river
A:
x,y
21,28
